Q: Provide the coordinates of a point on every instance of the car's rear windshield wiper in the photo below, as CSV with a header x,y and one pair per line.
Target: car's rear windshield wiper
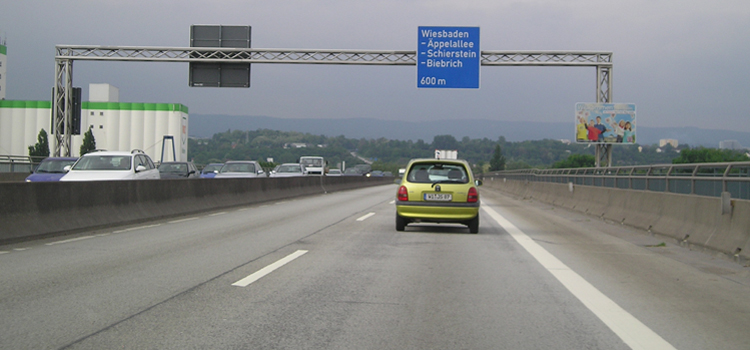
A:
x,y
448,182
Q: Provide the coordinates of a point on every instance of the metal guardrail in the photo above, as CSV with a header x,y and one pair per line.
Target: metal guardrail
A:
x,y
702,179
16,164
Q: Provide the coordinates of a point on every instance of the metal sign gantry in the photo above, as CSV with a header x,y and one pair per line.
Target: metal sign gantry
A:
x,y
66,54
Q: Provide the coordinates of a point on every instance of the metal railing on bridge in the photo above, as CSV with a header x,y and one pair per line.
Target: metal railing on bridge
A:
x,y
703,179
16,164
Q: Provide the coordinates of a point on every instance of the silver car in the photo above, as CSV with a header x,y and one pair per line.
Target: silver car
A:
x,y
104,165
240,168
289,170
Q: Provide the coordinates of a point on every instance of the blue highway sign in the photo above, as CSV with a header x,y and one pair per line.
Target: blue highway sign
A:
x,y
448,57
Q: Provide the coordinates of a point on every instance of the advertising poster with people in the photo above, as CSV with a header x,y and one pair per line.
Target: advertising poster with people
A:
x,y
605,123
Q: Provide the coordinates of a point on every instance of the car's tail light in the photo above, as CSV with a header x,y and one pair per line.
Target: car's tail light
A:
x,y
473,196
403,194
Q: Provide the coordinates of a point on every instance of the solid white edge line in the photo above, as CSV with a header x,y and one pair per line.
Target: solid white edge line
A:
x,y
365,217
136,228
183,220
634,333
70,240
268,269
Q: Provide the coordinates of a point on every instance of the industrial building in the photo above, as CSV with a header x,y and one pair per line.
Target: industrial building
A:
x,y
159,129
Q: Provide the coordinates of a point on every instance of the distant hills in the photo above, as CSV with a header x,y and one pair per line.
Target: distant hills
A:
x,y
205,126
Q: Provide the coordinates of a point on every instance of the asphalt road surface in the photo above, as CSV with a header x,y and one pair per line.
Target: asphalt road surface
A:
x,y
331,272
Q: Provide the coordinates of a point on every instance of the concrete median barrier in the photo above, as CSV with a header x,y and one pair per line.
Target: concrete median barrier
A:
x,y
698,222
45,209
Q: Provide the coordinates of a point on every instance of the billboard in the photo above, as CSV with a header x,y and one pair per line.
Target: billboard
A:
x,y
610,123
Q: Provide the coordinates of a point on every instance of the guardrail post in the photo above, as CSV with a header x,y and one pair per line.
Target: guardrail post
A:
x,y
726,203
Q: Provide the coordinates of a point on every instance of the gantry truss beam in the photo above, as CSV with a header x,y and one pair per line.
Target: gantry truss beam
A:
x,y
310,56
66,54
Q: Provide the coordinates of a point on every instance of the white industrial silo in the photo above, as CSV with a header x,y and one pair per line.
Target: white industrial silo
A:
x,y
110,130
18,128
27,127
43,120
149,127
175,130
123,127
161,129
137,116
15,109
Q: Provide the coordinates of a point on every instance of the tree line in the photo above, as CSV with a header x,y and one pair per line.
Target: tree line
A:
x,y
272,147
390,155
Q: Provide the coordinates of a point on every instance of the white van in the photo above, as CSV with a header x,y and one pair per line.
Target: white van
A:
x,y
314,165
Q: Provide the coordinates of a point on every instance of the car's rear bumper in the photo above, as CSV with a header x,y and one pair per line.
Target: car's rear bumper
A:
x,y
437,211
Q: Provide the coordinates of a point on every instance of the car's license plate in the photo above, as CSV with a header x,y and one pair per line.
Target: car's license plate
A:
x,y
443,197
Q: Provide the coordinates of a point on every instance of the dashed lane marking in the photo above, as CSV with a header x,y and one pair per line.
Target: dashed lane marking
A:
x,y
365,217
268,269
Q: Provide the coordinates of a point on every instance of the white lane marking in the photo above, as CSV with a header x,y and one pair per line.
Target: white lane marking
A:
x,y
219,213
183,220
268,269
365,217
135,228
634,333
392,202
4,252
70,240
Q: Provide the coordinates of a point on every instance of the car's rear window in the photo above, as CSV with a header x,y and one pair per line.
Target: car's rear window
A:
x,y
54,165
438,172
173,168
210,168
97,162
238,168
290,169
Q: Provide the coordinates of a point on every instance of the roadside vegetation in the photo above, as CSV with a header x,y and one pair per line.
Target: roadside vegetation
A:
x,y
272,147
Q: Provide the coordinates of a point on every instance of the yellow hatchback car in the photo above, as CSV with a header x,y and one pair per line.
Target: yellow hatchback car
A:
x,y
437,191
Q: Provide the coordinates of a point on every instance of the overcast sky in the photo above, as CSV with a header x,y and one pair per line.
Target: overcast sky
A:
x,y
682,62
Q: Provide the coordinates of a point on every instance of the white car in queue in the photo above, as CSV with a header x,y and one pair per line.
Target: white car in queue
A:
x,y
112,165
239,169
289,170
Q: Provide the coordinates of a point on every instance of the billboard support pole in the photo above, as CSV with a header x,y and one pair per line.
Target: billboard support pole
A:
x,y
603,152
603,95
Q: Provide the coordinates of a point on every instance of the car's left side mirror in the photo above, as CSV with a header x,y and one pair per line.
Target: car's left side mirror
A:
x,y
478,182
67,168
140,168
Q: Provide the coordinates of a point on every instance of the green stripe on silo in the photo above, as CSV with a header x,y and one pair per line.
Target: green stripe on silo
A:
x,y
128,106
25,104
